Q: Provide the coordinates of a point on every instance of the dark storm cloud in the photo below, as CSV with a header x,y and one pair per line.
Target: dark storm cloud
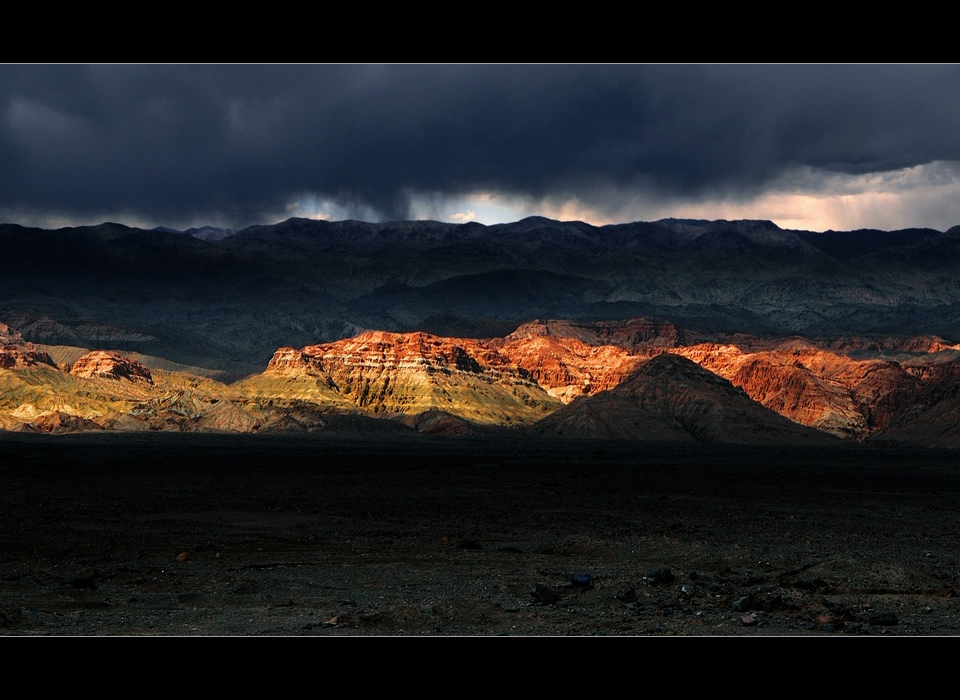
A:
x,y
174,142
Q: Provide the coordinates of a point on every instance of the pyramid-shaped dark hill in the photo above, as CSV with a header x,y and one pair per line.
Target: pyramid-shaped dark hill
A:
x,y
672,398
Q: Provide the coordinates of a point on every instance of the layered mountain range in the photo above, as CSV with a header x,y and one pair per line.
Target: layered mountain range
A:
x,y
672,330
226,304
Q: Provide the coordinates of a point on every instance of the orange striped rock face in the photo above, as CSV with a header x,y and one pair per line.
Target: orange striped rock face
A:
x,y
110,365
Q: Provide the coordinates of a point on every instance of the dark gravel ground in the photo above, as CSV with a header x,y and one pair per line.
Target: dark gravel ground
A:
x,y
179,534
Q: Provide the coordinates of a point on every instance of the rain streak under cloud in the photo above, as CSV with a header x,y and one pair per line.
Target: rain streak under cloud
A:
x,y
811,147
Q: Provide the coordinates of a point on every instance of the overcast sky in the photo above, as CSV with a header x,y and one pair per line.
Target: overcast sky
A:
x,y
812,147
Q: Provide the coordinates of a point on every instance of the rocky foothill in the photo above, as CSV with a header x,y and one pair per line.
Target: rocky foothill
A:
x,y
22,357
110,365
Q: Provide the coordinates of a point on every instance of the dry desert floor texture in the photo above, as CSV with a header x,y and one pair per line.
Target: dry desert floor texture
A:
x,y
185,534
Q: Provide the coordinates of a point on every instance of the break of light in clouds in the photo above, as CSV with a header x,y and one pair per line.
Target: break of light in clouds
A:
x,y
312,206
803,199
812,147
